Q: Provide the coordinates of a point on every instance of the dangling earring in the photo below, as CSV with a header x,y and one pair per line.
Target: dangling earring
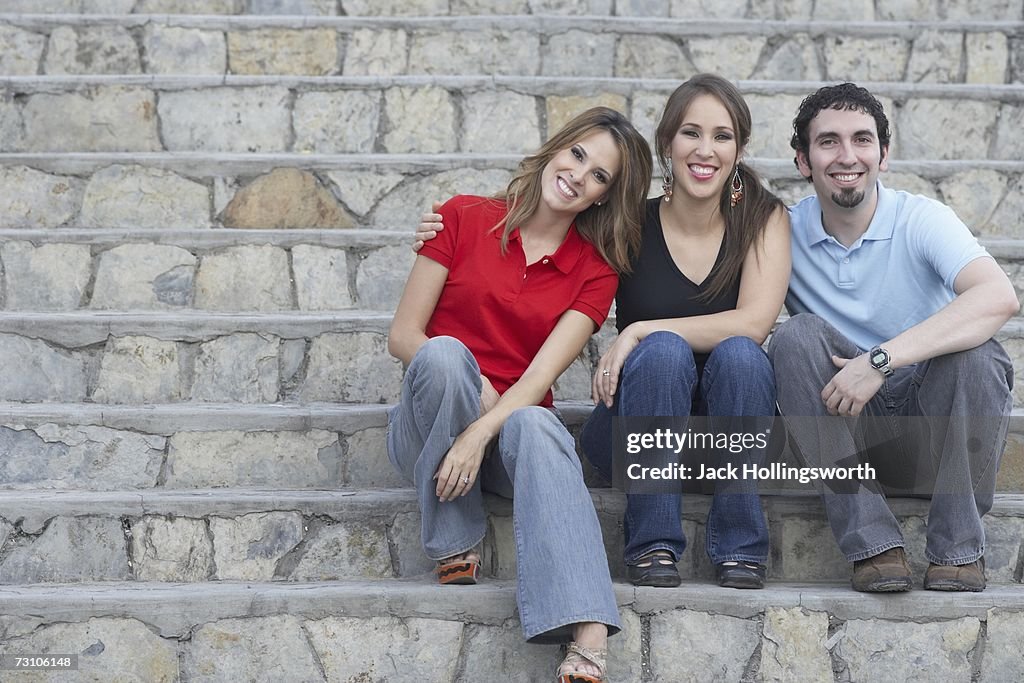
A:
x,y
666,185
736,196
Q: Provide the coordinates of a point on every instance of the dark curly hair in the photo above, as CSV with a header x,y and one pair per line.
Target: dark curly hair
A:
x,y
845,96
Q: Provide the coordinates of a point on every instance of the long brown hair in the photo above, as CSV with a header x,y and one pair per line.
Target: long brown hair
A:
x,y
614,228
745,222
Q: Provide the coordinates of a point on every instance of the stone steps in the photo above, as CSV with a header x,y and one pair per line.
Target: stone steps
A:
x,y
362,114
406,630
287,535
181,191
628,47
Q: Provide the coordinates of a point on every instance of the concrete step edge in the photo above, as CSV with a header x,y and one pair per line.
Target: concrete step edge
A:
x,y
174,609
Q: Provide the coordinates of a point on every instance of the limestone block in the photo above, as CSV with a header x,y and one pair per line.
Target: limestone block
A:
x,y
79,457
789,10
381,277
387,8
642,8
647,56
144,276
875,649
571,7
793,648
139,370
44,373
245,278
241,119
372,52
321,278
561,109
298,52
353,368
343,551
907,10
489,52
336,121
522,662
422,120
5,531
794,59
405,537
249,547
293,353
719,646
734,57
1006,219
773,125
460,7
171,549
140,197
579,54
366,461
50,277
973,195
176,50
574,384
990,10
262,649
908,182
323,8
964,124
386,648
12,128
708,9
400,209
97,119
274,459
361,190
189,7
1003,541
844,10
1010,478
20,52
92,50
500,122
865,59
240,367
645,115
1009,143
809,551
285,198
70,549
987,57
935,58
1005,642
108,649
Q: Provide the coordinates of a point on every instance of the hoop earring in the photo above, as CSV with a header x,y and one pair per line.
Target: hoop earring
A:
x,y
666,185
736,196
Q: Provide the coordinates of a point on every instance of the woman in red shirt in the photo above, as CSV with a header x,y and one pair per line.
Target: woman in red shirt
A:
x,y
494,310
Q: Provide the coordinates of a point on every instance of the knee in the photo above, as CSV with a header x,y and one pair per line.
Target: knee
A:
x,y
985,364
739,360
664,355
533,432
795,339
440,358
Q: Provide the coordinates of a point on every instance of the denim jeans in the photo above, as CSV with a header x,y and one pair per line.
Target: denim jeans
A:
x,y
659,379
561,567
969,391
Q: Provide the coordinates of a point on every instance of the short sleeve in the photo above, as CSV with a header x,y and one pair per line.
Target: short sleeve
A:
x,y
946,243
597,294
442,247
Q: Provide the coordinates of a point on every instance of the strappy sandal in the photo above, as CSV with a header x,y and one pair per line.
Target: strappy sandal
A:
x,y
576,655
462,569
656,568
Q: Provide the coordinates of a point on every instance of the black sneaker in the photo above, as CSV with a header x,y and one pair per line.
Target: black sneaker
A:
x,y
656,568
741,574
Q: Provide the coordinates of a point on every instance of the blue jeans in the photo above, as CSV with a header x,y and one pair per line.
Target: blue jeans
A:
x,y
956,463
659,379
562,572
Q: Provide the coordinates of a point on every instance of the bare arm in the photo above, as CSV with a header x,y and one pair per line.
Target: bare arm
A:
x,y
763,285
419,298
985,301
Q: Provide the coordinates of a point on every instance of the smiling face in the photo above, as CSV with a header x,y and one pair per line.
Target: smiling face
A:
x,y
844,157
703,151
581,175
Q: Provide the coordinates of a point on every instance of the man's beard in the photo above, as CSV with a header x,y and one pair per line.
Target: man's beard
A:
x,y
848,198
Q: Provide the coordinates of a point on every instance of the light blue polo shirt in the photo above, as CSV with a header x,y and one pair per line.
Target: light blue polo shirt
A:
x,y
898,273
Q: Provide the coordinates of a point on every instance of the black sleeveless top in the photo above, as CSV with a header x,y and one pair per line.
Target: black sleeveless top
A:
x,y
658,289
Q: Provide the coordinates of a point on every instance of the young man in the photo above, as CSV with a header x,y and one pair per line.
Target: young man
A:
x,y
894,307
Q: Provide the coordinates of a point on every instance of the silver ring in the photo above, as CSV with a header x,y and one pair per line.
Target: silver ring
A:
x,y
606,372
465,480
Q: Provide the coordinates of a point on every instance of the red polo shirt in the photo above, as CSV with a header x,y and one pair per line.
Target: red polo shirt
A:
x,y
500,308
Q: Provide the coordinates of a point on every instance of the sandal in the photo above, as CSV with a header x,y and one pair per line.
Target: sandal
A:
x,y
656,568
462,569
575,655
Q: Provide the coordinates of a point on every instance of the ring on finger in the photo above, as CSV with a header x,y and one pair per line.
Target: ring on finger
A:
x,y
465,480
606,372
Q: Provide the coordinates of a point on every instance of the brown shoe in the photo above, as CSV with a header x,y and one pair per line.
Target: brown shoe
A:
x,y
886,572
964,577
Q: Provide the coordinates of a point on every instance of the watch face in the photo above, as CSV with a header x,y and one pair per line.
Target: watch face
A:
x,y
879,358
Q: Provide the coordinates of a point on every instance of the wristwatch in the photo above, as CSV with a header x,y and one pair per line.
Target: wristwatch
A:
x,y
879,359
